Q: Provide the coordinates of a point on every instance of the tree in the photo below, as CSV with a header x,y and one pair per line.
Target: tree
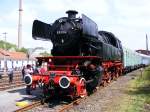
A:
x,y
7,45
25,50
45,54
10,46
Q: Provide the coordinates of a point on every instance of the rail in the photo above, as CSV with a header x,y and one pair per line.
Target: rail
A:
x,y
28,107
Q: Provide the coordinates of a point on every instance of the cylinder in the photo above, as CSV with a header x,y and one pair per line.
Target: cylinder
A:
x,y
64,82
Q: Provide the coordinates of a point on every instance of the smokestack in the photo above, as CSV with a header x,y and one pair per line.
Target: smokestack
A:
x,y
20,25
146,42
72,14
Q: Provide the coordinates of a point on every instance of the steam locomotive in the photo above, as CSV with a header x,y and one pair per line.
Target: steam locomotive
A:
x,y
83,57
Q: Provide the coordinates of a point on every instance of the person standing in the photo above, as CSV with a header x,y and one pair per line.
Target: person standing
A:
x,y
28,71
10,74
42,70
23,72
35,69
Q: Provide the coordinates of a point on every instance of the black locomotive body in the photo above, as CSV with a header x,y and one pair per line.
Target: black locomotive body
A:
x,y
73,36
79,37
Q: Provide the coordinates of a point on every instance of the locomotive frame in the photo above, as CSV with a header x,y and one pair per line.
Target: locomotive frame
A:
x,y
69,79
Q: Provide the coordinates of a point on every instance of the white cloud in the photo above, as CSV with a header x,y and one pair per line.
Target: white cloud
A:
x,y
127,19
28,15
11,34
132,8
93,7
28,42
1,19
9,19
52,6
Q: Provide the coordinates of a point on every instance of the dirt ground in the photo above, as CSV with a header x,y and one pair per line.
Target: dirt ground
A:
x,y
107,99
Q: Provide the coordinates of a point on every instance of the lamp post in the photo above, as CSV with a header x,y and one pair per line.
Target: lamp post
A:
x,y
5,52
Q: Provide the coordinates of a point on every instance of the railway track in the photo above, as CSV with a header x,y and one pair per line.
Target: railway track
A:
x,y
70,105
11,85
17,82
16,74
28,107
63,107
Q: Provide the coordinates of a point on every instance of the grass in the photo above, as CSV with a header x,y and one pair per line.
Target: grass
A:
x,y
137,98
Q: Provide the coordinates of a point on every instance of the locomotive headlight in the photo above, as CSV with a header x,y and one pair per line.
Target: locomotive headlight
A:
x,y
64,82
28,79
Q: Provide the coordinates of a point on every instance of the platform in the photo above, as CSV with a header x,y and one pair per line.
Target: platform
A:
x,y
9,98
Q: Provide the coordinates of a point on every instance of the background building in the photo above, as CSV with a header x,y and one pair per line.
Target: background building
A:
x,y
14,60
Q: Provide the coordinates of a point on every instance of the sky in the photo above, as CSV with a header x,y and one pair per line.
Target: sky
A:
x,y
129,20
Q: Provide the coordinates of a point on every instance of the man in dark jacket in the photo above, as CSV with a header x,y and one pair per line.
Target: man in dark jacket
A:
x,y
23,72
10,74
